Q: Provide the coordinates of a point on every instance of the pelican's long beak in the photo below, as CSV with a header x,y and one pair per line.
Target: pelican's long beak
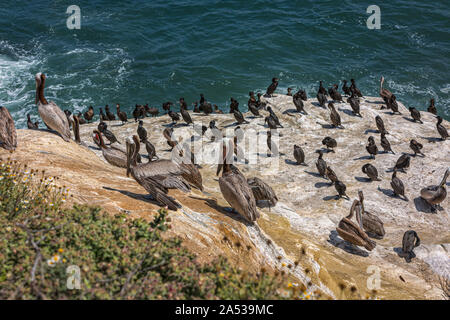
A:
x,y
444,180
128,158
37,79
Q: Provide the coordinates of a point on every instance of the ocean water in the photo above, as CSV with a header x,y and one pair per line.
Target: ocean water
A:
x,y
155,51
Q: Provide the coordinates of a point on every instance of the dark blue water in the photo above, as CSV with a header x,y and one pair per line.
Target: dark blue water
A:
x,y
153,51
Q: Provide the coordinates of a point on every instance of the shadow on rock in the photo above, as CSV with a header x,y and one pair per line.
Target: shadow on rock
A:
x,y
338,242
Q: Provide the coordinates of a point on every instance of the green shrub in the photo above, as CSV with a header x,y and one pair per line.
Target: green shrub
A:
x,y
118,257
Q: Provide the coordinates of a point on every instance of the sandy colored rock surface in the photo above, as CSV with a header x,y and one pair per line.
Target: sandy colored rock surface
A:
x,y
301,227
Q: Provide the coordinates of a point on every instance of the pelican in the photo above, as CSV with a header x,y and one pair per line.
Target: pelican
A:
x,y
370,222
168,173
8,134
262,191
352,232
150,179
113,156
384,93
54,118
236,191
435,194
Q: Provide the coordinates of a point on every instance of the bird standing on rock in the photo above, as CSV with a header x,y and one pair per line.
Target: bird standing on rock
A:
x,y
330,143
109,114
321,165
416,147
380,125
441,129
334,116
184,113
122,115
273,86
432,108
299,155
397,186
372,148
403,162
341,188
385,144
274,117
175,116
371,172
142,133
415,114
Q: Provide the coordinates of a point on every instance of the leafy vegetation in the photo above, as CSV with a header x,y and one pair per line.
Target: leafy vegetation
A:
x,y
117,257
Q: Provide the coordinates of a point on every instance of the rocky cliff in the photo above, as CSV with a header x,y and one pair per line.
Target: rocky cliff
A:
x,y
301,227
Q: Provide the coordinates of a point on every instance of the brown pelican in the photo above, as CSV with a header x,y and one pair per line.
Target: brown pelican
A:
x,y
155,179
397,186
168,172
113,156
409,242
441,129
262,191
321,165
384,93
372,148
371,172
435,194
168,133
76,129
432,108
370,222
54,118
352,232
8,134
189,170
30,124
416,147
299,155
236,191
273,86
385,144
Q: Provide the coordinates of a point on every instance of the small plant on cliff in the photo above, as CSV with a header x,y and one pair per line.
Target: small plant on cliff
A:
x,y
51,251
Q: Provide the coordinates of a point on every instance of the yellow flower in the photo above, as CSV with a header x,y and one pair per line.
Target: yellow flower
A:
x,y
289,285
56,258
60,250
221,274
283,264
64,260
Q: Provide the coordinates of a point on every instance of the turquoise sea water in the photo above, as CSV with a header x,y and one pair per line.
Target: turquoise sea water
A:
x,y
154,51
